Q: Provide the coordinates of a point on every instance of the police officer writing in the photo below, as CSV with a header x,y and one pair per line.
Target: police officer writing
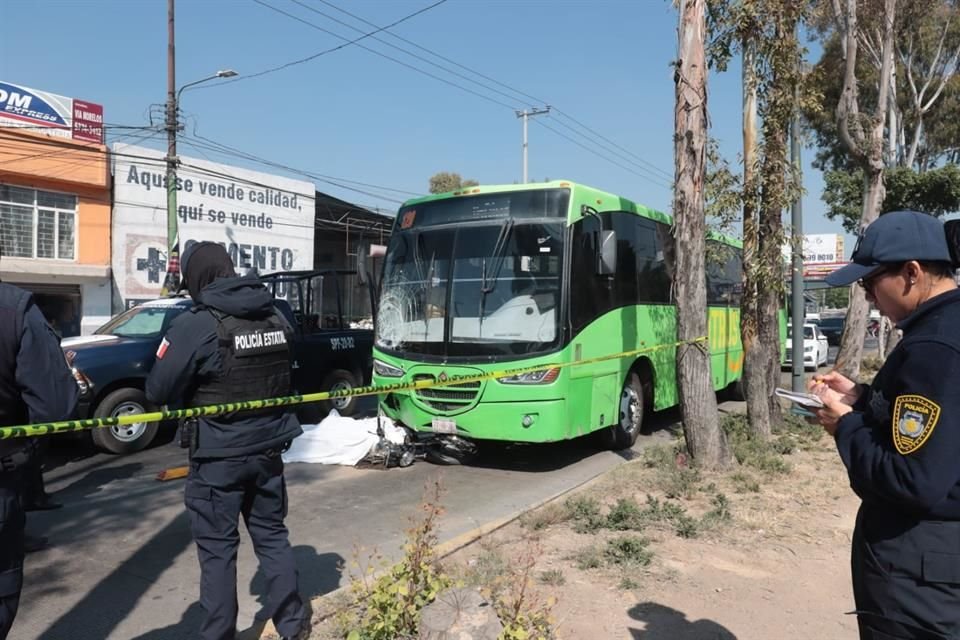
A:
x,y
899,437
232,346
35,386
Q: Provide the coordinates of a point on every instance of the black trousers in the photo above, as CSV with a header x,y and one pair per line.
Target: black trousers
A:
x,y
12,521
218,492
906,577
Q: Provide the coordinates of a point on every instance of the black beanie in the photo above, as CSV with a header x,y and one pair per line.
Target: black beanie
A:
x,y
202,263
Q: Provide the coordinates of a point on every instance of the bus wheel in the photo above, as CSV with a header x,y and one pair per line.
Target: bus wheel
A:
x,y
623,434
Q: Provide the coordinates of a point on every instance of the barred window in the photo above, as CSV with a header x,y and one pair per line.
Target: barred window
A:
x,y
37,224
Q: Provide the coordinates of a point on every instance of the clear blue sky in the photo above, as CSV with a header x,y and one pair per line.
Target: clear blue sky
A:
x,y
355,115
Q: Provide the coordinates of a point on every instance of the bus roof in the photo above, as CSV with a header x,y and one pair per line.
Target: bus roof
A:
x,y
604,201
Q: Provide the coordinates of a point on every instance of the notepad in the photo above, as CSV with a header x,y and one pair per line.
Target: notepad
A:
x,y
803,399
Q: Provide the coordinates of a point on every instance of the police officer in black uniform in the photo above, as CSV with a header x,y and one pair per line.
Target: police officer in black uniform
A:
x,y
232,346
35,386
899,437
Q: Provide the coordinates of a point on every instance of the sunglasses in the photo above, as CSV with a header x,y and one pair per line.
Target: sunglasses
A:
x,y
868,283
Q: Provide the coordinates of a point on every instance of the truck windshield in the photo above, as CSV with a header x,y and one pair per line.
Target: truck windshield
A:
x,y
479,289
141,322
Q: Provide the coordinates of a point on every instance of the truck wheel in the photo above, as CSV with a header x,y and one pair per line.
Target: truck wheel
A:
x,y
340,380
623,434
127,438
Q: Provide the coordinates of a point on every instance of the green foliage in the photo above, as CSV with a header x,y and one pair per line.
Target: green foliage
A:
x,y
628,550
523,613
837,297
918,29
936,192
445,181
745,483
625,515
752,451
585,512
723,196
392,602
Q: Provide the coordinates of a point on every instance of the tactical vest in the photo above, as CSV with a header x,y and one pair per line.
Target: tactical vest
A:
x,y
255,360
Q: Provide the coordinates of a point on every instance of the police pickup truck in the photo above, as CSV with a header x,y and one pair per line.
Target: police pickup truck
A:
x,y
111,366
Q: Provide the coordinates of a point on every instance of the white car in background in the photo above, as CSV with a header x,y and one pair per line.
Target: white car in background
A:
x,y
815,347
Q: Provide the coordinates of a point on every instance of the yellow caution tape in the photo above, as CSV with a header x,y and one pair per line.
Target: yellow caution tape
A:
x,y
68,426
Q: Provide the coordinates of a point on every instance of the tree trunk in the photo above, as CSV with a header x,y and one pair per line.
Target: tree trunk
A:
x,y
867,149
755,381
706,442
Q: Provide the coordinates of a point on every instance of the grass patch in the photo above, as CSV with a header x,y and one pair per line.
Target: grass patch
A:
x,y
625,515
585,513
589,558
487,568
546,516
628,550
743,482
553,577
762,455
629,583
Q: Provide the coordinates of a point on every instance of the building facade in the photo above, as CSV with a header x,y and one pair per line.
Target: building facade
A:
x,y
55,215
266,222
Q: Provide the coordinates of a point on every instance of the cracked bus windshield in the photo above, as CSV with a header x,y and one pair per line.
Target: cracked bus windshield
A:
x,y
479,288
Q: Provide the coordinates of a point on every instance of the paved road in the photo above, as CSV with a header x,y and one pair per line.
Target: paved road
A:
x,y
122,564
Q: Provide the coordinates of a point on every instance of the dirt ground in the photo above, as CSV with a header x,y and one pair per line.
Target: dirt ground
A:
x,y
758,553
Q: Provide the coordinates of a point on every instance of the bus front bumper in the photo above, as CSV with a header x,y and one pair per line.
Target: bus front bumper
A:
x,y
530,421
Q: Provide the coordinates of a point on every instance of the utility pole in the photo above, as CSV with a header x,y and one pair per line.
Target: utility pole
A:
x,y
796,281
527,115
172,280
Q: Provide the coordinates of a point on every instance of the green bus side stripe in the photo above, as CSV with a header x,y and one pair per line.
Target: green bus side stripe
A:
x,y
68,426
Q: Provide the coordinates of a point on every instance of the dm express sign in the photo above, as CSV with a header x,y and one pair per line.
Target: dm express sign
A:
x,y
50,114
265,222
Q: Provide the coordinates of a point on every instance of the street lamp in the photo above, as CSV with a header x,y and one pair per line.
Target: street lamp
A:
x,y
172,279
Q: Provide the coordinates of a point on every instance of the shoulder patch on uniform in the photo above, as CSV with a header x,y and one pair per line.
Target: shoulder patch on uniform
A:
x,y
914,418
162,349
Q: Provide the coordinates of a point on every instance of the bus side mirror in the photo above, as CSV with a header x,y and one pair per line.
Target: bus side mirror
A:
x,y
607,253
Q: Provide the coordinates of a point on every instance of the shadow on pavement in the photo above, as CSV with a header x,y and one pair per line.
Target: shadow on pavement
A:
x,y
664,623
109,602
318,573
186,628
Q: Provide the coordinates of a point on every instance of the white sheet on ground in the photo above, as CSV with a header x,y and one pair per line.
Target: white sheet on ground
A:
x,y
340,440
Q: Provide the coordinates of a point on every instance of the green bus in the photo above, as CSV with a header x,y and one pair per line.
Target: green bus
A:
x,y
494,278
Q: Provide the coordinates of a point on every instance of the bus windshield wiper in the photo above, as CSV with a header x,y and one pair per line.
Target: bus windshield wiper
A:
x,y
488,281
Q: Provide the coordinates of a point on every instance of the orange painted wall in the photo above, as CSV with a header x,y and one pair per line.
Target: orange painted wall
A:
x,y
43,162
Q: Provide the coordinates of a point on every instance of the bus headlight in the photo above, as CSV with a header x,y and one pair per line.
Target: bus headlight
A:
x,y
386,370
544,376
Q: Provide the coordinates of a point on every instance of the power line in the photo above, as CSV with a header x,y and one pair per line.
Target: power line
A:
x,y
238,154
497,82
409,53
383,55
310,174
324,52
599,155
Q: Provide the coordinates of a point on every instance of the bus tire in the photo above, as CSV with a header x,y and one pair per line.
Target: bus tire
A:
x,y
735,391
624,433
339,380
